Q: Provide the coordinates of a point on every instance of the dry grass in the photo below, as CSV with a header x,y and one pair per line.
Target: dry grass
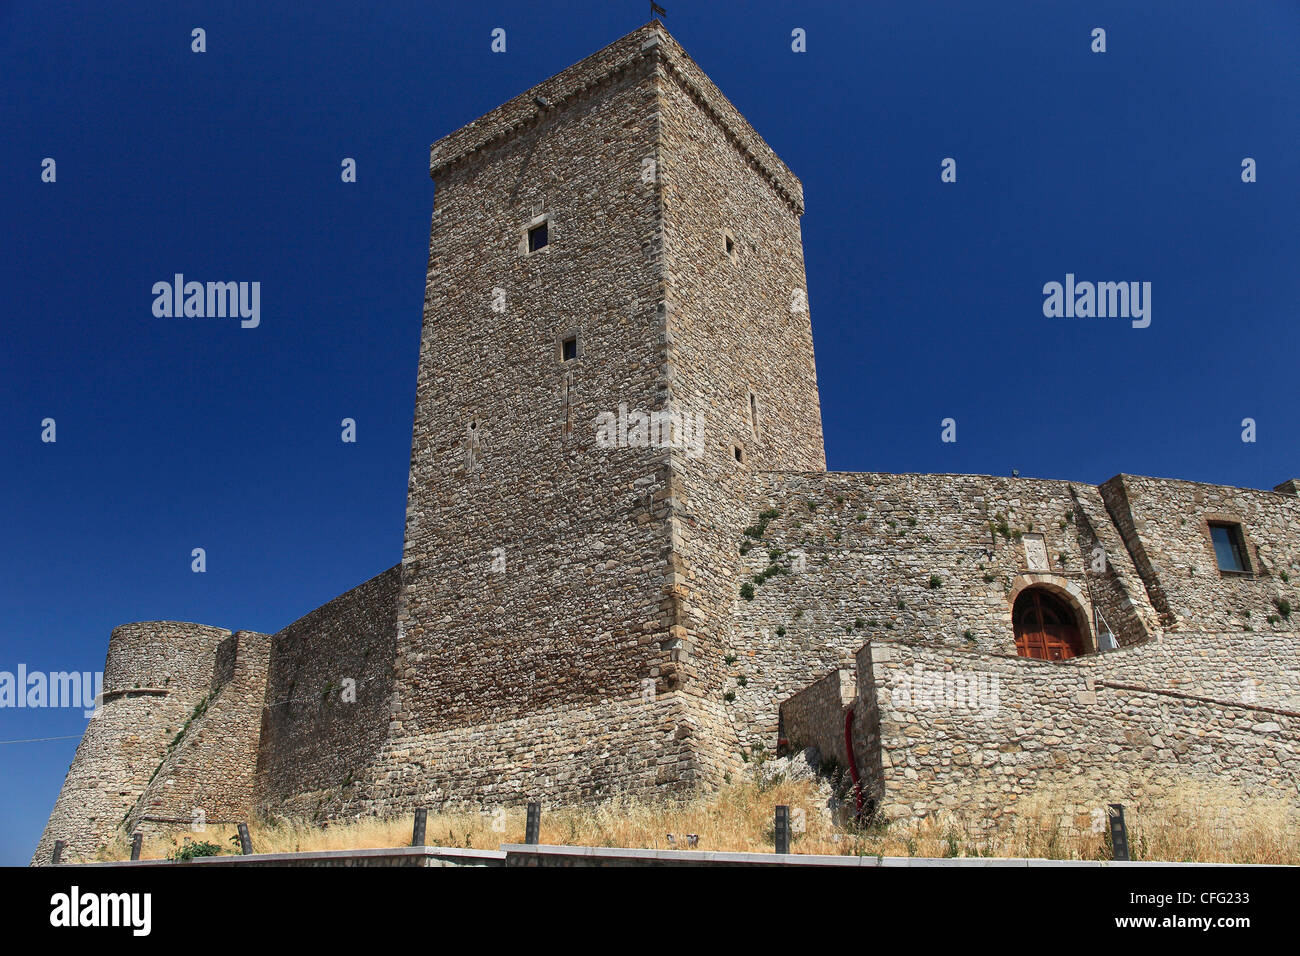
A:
x,y
1202,824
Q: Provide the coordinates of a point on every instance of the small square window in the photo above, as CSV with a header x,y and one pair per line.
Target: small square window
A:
x,y
569,349
537,237
1229,548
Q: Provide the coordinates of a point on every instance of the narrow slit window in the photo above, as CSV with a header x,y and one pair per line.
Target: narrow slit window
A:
x,y
569,349
537,237
566,405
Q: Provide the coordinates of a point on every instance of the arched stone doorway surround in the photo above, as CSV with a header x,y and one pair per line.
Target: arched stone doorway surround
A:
x,y
1064,590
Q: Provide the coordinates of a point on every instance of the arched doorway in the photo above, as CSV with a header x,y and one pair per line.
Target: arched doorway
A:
x,y
1045,626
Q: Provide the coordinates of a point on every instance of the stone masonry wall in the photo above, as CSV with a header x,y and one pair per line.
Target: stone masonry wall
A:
x,y
318,733
207,772
981,737
618,572
154,674
740,356
534,568
814,717
1117,592
1244,667
1166,524
934,558
559,754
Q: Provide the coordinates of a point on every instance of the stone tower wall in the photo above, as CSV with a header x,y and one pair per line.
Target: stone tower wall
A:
x,y
534,569
206,773
154,675
740,357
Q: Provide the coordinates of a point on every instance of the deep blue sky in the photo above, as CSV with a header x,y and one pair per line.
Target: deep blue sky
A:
x,y
926,297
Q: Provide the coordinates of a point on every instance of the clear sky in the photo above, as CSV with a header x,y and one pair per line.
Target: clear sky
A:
x,y
926,296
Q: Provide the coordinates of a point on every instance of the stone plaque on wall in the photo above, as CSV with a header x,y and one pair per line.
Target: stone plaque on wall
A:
x,y
1036,552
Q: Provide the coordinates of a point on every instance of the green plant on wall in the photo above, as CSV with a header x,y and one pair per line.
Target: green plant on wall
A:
x,y
199,710
758,529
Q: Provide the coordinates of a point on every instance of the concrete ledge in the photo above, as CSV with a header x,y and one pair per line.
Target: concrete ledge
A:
x,y
521,854
543,855
381,856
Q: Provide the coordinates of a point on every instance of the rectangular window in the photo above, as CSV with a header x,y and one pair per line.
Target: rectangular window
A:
x,y
569,349
536,237
1229,548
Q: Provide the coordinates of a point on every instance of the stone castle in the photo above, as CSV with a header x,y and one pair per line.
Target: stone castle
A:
x,y
636,606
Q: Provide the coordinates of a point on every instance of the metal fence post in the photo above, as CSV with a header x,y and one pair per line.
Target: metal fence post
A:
x,y
782,829
534,829
1118,832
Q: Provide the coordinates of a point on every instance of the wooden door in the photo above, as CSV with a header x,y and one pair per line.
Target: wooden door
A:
x,y
1045,627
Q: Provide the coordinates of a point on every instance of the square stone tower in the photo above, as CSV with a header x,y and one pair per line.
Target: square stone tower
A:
x,y
616,242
